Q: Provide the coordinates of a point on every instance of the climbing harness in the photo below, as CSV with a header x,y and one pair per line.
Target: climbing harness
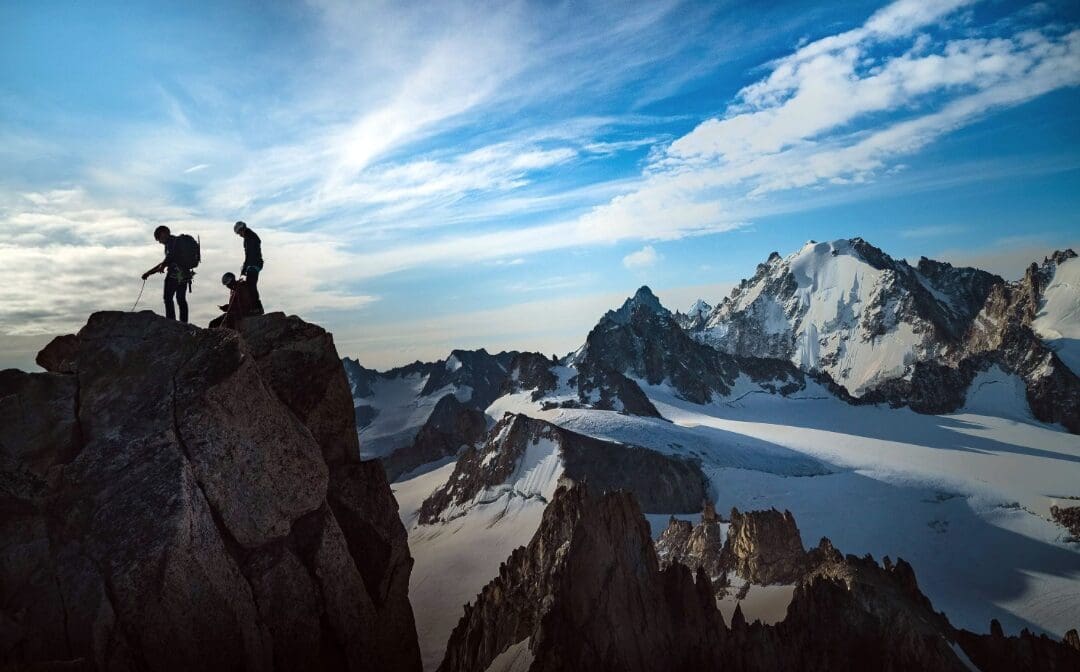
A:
x,y
138,298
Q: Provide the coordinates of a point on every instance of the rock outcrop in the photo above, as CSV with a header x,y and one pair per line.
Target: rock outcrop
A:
x,y
1069,518
588,593
765,547
697,547
761,547
451,427
178,498
527,458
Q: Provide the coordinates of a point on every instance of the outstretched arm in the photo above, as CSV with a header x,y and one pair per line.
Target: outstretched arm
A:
x,y
156,269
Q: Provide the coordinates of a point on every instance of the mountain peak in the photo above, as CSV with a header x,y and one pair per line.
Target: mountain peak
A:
x,y
643,298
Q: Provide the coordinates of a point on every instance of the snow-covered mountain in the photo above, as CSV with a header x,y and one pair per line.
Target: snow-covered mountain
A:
x,y
696,316
418,413
644,341
526,458
895,408
886,331
1057,321
847,309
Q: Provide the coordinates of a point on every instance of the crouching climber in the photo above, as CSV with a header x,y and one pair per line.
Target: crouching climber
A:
x,y
241,303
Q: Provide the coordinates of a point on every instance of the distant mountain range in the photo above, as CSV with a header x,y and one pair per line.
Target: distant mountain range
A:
x,y
774,395
863,326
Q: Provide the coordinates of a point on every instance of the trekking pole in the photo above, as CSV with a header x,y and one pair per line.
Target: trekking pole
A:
x,y
139,297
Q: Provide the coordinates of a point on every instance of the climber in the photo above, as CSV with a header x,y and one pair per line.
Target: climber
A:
x,y
241,302
182,255
253,262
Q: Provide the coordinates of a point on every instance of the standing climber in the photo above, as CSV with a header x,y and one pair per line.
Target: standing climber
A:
x,y
253,262
182,255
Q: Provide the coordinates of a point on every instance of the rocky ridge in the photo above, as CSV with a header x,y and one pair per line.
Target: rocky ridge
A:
x,y
178,498
588,593
525,457
761,547
644,340
449,397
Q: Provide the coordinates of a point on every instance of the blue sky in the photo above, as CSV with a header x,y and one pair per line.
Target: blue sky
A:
x,y
437,175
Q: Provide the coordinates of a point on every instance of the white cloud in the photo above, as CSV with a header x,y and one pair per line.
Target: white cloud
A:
x,y
65,256
646,257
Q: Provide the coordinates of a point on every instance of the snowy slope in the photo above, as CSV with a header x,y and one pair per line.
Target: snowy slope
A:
x,y
456,559
835,307
964,498
399,411
1058,319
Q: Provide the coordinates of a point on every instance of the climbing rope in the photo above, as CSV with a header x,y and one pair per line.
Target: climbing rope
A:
x,y
138,298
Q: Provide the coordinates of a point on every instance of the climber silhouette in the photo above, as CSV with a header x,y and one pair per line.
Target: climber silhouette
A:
x,y
182,255
253,263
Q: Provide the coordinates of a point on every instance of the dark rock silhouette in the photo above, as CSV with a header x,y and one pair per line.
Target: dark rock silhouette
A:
x,y
193,499
588,593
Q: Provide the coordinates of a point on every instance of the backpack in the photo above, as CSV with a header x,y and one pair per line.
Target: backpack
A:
x,y
188,252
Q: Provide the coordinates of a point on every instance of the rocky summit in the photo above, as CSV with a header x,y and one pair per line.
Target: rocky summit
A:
x,y
177,498
588,593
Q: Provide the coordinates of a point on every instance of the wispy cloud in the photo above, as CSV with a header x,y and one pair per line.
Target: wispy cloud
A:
x,y
427,137
788,131
646,257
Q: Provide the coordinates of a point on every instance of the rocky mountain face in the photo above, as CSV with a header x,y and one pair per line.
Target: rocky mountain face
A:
x,y
885,331
527,458
644,340
451,427
761,547
425,411
695,317
588,593
1068,517
555,384
697,547
765,547
1003,334
177,498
